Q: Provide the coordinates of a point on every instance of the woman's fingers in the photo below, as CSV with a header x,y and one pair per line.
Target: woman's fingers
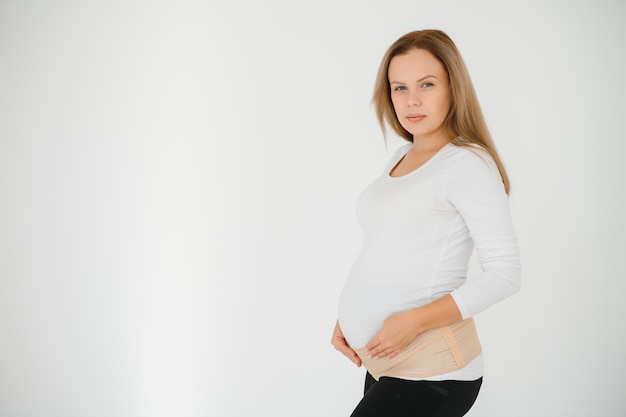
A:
x,y
339,342
381,349
377,352
397,332
350,354
375,348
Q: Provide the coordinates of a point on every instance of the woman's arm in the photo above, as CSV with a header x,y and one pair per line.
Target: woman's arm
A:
x,y
403,327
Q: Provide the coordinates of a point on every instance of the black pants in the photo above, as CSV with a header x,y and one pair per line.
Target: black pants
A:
x,y
394,397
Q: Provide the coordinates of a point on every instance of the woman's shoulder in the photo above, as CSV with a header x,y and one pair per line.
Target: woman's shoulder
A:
x,y
471,168
470,155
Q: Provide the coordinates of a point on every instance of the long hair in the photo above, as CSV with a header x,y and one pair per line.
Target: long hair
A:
x,y
465,118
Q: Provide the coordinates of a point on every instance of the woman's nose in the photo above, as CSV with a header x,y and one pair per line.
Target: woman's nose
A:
x,y
414,99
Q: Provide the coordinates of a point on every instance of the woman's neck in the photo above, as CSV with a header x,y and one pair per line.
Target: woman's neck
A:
x,y
430,144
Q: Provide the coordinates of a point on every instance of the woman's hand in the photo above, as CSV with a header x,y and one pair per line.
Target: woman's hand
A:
x,y
397,332
340,343
403,327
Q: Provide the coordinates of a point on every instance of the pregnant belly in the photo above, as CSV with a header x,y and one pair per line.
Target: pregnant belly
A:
x,y
364,308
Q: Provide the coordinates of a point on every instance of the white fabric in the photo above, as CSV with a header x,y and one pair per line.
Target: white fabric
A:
x,y
419,234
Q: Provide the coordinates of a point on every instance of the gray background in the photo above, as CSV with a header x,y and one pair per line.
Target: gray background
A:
x,y
177,185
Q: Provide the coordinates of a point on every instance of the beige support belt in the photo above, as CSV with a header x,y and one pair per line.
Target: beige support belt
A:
x,y
435,352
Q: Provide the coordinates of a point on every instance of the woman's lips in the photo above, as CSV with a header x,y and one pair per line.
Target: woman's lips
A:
x,y
415,117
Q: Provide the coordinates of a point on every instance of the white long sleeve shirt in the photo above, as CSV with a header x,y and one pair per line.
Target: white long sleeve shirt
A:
x,y
420,231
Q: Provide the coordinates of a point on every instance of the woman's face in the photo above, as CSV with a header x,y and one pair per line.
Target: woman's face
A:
x,y
420,93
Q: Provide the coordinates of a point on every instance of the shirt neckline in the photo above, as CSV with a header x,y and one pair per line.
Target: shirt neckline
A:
x,y
419,168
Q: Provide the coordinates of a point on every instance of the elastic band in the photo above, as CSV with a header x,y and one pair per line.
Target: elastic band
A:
x,y
435,352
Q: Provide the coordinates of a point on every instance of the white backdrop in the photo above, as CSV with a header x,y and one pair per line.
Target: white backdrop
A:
x,y
177,185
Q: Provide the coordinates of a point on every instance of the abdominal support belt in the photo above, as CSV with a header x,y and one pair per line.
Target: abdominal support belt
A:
x,y
434,352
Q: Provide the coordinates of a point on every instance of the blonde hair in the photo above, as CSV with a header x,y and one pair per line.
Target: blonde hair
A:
x,y
465,118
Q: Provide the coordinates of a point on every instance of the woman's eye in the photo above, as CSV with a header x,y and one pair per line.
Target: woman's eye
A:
x,y
399,88
427,84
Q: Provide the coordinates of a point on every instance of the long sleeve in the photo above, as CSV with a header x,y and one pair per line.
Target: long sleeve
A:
x,y
475,189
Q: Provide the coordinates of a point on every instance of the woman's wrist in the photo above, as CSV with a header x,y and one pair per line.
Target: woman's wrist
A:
x,y
438,313
417,320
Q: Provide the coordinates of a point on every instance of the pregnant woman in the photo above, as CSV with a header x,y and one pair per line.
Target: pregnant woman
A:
x,y
406,310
